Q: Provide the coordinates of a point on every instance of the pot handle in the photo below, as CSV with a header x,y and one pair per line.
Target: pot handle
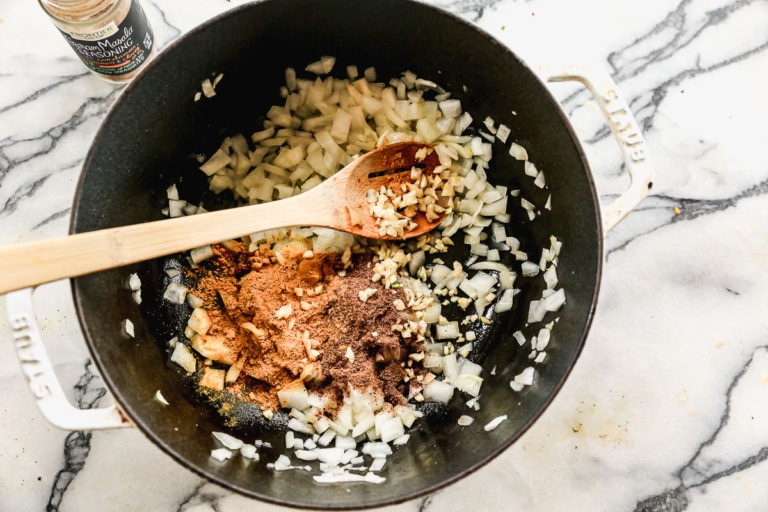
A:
x,y
625,129
40,375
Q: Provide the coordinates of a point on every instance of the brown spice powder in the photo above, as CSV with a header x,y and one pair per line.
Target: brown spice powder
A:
x,y
332,339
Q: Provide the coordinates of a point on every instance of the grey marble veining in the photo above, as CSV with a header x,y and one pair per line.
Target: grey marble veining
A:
x,y
666,408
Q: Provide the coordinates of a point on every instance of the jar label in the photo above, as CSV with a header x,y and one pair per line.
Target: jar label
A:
x,y
114,49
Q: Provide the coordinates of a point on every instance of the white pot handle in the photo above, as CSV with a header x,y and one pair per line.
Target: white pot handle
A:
x,y
41,378
626,131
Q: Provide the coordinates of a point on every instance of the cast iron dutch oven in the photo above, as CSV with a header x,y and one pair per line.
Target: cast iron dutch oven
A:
x,y
148,142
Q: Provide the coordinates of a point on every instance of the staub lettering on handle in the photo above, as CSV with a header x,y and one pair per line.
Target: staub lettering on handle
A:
x,y
31,365
629,132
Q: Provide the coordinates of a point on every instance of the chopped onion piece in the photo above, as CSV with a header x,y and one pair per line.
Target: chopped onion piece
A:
x,y
128,328
526,376
542,340
183,357
282,463
294,395
536,312
333,478
489,265
438,391
213,379
175,293
221,454
518,152
212,347
176,208
495,422
516,386
326,438
218,161
322,66
502,133
284,312
134,282
228,440
377,450
555,301
483,282
330,456
550,277
160,398
391,429
200,321
450,367
447,331
465,420
507,279
377,464
529,268
401,440
345,442
469,384
450,108
506,301
249,452
527,205
496,208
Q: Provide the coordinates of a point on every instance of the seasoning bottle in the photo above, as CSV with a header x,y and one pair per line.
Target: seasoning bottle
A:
x,y
113,38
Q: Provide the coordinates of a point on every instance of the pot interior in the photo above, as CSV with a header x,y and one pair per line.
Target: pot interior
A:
x,y
150,138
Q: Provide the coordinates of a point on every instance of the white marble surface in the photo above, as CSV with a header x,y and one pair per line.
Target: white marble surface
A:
x,y
667,408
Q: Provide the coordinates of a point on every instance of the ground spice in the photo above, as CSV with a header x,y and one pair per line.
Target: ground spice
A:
x,y
331,339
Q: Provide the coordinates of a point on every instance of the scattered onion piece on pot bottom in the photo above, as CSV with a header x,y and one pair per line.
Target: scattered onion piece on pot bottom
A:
x,y
160,398
495,422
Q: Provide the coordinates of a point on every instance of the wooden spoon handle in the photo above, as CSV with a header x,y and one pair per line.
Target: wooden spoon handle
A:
x,y
35,263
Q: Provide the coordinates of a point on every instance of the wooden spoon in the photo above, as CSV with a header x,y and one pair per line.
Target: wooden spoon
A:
x,y
327,205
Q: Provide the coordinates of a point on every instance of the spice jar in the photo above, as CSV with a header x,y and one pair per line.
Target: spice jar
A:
x,y
113,38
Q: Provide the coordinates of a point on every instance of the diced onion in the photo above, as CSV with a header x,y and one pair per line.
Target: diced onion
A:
x,y
506,301
249,452
134,282
555,301
221,454
526,376
495,422
550,277
438,391
175,293
183,357
465,420
160,398
228,440
128,327
518,152
529,268
447,331
294,395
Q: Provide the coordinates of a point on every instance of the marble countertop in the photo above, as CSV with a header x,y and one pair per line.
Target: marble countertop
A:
x,y
666,410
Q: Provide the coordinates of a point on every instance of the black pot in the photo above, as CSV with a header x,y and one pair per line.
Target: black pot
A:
x,y
146,143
